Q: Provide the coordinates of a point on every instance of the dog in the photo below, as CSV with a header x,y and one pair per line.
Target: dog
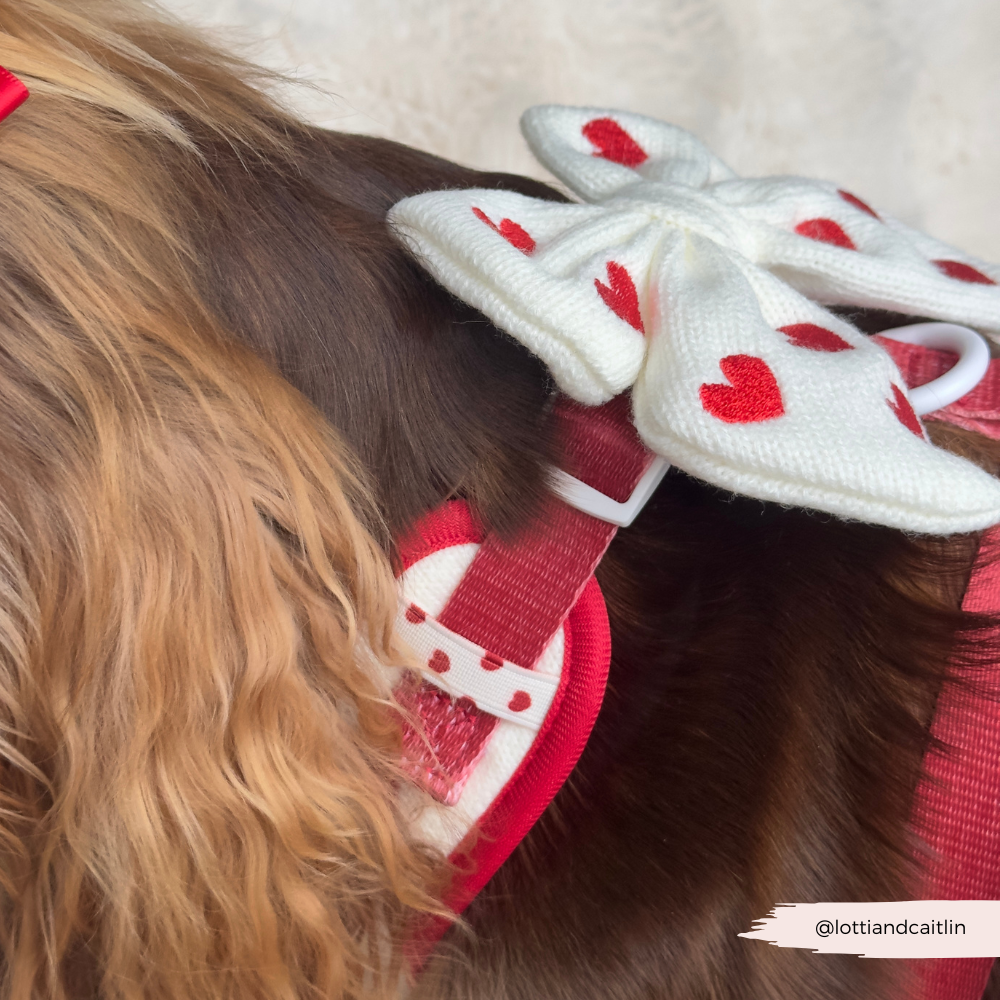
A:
x,y
226,389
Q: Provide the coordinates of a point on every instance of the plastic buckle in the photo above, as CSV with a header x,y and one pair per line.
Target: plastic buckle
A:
x,y
585,498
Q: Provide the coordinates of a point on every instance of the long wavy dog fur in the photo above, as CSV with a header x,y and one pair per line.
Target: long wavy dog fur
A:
x,y
224,387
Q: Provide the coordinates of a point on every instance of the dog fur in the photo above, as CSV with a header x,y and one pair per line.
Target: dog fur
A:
x,y
224,388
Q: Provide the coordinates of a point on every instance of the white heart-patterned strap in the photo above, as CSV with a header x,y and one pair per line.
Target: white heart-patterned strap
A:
x,y
465,670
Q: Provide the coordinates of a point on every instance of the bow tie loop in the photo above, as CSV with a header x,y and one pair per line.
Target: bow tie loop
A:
x,y
596,152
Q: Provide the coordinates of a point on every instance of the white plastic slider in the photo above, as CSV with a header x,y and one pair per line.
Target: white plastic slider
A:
x,y
583,497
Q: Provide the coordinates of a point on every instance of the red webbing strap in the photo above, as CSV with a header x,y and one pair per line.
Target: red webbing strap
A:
x,y
957,809
513,598
978,410
957,806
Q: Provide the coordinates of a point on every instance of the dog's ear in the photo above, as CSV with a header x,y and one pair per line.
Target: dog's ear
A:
x,y
196,758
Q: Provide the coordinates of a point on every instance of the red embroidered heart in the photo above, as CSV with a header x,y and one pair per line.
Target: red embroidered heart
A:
x,y
752,397
853,199
825,231
905,414
621,297
962,272
814,338
415,615
613,142
514,234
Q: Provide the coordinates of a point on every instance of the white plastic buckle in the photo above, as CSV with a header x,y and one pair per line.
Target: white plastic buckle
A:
x,y
583,497
973,362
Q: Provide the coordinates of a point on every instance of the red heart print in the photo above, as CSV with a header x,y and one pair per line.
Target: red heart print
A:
x,y
491,662
825,231
520,701
613,142
514,234
962,272
620,296
415,615
905,414
814,338
853,199
439,662
752,397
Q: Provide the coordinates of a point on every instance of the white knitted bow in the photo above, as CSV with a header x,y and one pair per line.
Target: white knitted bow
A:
x,y
701,290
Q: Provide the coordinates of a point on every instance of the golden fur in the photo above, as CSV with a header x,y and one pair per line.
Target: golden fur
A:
x,y
196,761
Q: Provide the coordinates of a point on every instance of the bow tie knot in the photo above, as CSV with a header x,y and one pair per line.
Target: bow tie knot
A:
x,y
695,210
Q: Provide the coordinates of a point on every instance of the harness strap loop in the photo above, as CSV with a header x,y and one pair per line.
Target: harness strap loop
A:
x,y
978,410
511,601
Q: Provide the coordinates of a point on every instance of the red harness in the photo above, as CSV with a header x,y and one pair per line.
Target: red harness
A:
x,y
513,599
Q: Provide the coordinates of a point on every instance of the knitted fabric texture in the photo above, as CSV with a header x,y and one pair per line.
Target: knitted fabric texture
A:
x,y
704,292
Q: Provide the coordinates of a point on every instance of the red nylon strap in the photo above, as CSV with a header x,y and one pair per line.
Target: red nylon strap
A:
x,y
957,805
513,598
957,808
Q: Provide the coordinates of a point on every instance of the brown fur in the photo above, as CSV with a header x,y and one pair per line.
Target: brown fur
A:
x,y
773,670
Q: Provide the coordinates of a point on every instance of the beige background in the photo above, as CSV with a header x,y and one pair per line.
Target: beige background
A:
x,y
897,100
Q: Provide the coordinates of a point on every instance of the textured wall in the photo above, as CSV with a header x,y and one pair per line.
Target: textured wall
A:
x,y
898,100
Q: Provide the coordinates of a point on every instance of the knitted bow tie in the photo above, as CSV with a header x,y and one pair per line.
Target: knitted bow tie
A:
x,y
701,290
